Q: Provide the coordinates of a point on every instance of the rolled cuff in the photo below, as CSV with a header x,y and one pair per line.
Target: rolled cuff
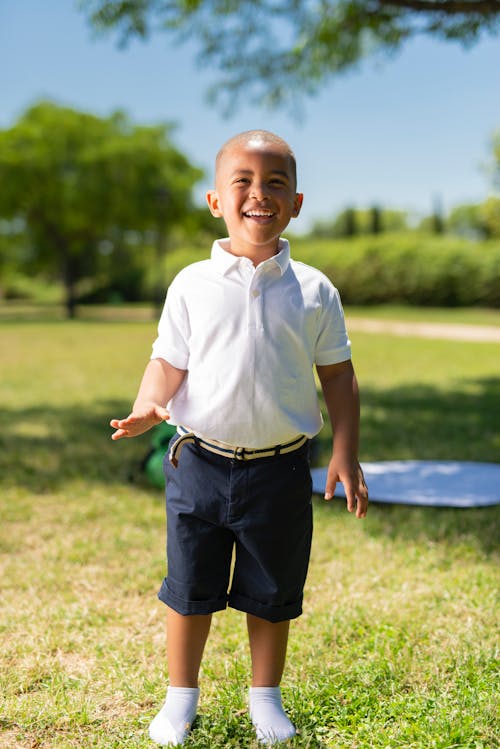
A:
x,y
187,608
176,358
334,356
272,614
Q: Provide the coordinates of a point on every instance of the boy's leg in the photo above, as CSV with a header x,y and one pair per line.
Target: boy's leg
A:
x,y
268,644
186,638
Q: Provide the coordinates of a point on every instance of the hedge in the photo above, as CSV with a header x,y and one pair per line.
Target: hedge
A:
x,y
409,268
404,268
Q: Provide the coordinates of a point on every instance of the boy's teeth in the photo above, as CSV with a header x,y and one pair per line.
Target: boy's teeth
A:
x,y
258,213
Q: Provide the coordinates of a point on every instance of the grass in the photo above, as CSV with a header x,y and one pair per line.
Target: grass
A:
x,y
396,647
144,312
407,313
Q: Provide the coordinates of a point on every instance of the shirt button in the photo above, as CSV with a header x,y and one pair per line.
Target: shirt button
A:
x,y
255,293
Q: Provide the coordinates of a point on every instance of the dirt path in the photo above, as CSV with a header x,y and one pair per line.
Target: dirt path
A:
x,y
454,331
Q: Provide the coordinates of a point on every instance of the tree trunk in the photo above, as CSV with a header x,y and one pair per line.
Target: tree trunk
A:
x,y
69,280
161,252
70,302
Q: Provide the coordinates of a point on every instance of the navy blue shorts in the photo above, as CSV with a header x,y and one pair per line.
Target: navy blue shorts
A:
x,y
259,509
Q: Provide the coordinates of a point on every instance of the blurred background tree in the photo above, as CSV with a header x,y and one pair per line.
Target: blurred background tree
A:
x,y
496,159
467,221
490,213
273,49
352,221
87,191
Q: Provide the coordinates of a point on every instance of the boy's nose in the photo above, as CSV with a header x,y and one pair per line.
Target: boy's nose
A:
x,y
259,191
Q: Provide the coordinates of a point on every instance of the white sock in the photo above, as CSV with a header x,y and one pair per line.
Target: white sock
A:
x,y
173,723
270,721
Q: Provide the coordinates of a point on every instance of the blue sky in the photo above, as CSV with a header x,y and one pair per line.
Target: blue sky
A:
x,y
402,133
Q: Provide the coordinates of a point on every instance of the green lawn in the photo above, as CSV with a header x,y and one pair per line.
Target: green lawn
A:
x,y
141,311
407,313
396,648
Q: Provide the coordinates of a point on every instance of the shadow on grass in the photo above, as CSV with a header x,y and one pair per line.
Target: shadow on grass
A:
x,y
425,423
43,447
422,422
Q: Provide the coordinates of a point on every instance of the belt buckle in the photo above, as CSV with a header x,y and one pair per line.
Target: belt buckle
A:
x,y
239,453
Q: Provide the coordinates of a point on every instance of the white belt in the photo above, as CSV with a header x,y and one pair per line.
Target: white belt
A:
x,y
230,451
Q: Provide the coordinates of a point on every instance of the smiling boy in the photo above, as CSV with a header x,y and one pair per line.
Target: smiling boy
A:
x,y
233,366
255,194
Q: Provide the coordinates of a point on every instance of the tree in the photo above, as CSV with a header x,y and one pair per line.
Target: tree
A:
x,y
82,184
12,248
490,209
467,220
473,220
273,49
437,218
490,214
496,160
376,225
352,221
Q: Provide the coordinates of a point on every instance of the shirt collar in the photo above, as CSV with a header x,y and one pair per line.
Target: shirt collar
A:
x,y
224,261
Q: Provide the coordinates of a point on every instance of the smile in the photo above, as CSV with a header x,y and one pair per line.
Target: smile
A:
x,y
259,214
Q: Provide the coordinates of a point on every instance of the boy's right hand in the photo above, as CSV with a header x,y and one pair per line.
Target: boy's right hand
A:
x,y
139,421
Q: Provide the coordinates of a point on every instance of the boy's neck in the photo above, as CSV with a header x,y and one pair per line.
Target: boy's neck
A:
x,y
256,255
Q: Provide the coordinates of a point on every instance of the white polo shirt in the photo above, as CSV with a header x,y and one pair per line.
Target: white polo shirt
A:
x,y
249,338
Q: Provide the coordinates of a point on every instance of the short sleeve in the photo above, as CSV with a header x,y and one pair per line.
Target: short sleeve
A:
x,y
172,343
332,344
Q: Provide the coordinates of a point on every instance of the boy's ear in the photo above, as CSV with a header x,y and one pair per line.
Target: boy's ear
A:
x,y
297,203
213,203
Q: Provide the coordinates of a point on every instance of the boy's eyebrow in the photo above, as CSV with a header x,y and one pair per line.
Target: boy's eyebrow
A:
x,y
280,172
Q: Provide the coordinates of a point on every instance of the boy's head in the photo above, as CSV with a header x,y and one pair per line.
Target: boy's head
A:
x,y
255,191
258,139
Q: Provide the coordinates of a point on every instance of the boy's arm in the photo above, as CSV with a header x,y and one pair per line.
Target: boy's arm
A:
x,y
340,389
159,384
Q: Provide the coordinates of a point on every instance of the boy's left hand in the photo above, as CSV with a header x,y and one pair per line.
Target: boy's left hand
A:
x,y
350,473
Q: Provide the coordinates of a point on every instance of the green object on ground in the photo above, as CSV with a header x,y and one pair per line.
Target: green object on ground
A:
x,y
152,464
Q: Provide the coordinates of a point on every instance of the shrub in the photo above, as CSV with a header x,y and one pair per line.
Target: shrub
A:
x,y
411,268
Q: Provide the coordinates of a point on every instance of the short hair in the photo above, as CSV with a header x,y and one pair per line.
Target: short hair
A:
x,y
264,136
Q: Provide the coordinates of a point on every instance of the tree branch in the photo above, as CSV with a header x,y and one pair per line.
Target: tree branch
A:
x,y
449,7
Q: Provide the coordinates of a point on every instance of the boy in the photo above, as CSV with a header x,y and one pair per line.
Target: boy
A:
x,y
237,342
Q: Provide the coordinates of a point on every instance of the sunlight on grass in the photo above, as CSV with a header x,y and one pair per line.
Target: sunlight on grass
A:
x,y
396,647
407,313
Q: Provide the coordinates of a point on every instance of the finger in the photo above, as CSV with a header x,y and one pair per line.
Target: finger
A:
x,y
331,484
362,495
128,421
330,490
362,507
120,423
350,497
119,434
162,413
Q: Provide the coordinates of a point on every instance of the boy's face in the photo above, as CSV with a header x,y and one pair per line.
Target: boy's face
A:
x,y
255,195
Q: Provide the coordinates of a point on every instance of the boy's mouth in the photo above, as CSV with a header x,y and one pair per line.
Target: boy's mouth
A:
x,y
259,214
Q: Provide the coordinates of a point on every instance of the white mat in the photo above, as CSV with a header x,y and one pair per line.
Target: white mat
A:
x,y
435,483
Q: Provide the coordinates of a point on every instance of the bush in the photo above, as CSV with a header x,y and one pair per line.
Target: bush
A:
x,y
409,268
400,268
